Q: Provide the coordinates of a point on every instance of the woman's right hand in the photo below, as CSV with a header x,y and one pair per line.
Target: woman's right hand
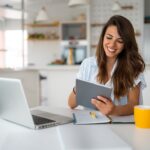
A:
x,y
104,105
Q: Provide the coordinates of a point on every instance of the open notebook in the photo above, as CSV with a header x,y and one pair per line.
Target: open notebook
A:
x,y
94,117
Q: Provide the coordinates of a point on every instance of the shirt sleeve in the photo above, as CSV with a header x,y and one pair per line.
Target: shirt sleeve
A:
x,y
82,70
140,79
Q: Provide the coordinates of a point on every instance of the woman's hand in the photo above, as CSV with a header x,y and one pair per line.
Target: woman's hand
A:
x,y
72,100
104,105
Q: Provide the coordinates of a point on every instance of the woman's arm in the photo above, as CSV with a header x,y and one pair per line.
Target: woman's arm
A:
x,y
133,99
108,108
72,100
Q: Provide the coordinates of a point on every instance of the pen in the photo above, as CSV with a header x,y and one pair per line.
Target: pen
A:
x,y
93,114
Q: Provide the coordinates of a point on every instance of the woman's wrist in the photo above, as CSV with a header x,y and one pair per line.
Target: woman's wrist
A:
x,y
114,110
74,90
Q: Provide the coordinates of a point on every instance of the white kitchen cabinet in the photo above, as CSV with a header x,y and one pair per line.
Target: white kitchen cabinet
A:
x,y
60,82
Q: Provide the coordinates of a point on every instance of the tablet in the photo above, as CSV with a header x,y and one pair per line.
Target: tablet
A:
x,y
85,91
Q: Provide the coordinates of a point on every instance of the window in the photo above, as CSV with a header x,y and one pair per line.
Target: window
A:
x,y
15,55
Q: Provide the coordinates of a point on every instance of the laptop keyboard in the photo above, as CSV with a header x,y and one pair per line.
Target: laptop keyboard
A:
x,y
40,120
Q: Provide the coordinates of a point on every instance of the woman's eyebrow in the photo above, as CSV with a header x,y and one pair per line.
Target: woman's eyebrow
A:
x,y
109,34
113,36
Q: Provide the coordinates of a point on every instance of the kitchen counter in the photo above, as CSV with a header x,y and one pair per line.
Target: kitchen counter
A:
x,y
54,67
51,67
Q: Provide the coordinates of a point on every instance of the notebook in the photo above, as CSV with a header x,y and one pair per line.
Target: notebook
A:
x,y
89,116
85,91
14,107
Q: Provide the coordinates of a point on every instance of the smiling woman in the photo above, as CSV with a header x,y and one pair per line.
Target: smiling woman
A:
x,y
118,65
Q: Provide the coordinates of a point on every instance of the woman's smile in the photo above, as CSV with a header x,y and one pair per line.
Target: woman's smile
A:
x,y
111,50
113,43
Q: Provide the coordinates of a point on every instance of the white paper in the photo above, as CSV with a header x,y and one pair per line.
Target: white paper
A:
x,y
84,117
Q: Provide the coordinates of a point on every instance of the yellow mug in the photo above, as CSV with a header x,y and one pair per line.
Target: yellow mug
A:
x,y
142,116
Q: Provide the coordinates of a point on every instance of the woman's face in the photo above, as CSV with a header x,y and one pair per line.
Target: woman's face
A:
x,y
113,44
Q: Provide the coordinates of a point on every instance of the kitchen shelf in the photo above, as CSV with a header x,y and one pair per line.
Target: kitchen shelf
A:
x,y
74,22
43,31
93,46
97,24
3,50
34,25
43,40
137,33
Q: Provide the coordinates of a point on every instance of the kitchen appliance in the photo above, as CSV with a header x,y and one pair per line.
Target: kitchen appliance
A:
x,y
74,30
78,50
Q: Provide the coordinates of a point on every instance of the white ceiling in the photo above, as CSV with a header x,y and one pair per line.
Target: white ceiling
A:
x,y
29,4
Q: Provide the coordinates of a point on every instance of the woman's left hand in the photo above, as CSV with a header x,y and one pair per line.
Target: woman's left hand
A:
x,y
104,105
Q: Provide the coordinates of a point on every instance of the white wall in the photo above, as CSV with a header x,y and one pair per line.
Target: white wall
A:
x,y
147,43
57,10
42,53
147,33
60,85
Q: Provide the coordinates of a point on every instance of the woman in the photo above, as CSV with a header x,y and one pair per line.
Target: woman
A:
x,y
118,65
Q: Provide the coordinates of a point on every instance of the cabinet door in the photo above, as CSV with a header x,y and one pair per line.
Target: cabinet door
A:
x,y
60,84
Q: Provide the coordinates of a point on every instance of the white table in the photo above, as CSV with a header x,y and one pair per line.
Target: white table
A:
x,y
15,137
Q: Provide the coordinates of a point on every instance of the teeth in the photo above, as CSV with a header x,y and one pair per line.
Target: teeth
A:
x,y
111,50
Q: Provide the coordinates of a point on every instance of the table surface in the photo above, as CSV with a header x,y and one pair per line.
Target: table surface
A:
x,y
16,137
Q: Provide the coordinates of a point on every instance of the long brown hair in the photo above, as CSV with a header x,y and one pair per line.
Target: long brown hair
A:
x,y
130,63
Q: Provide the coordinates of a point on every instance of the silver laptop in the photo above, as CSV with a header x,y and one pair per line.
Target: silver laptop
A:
x,y
14,107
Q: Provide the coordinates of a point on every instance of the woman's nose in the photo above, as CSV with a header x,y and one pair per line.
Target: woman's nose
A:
x,y
112,44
